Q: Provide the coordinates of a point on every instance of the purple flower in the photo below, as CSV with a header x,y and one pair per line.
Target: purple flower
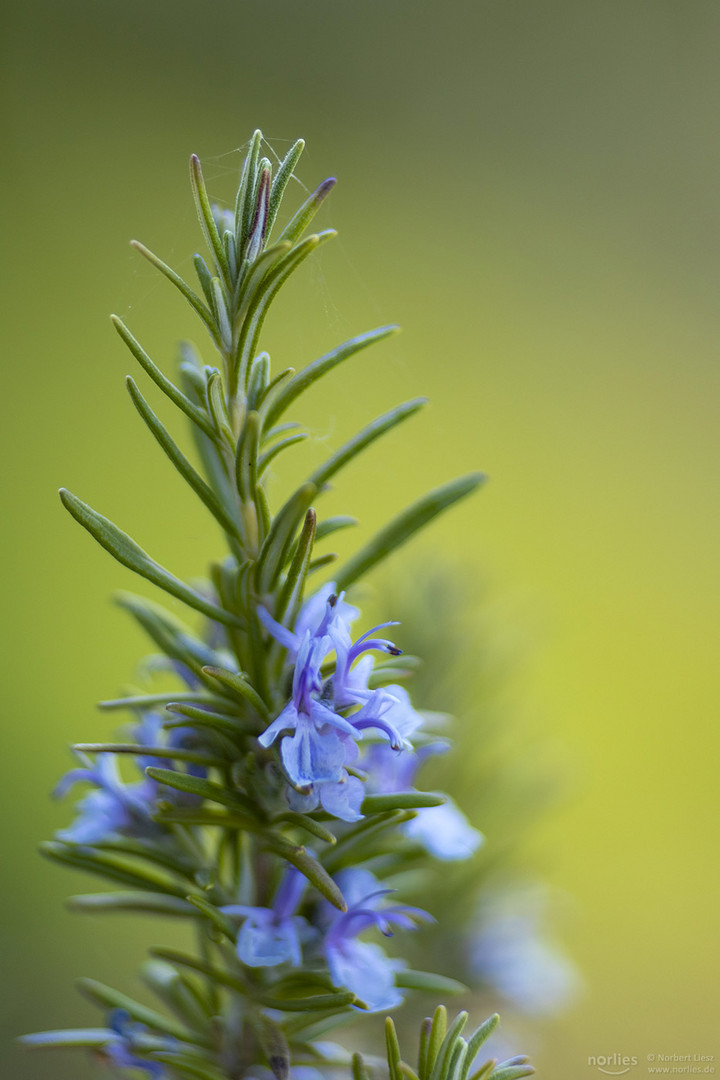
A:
x,y
362,966
271,936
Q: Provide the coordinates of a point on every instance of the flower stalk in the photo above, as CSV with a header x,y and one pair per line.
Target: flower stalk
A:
x,y
274,789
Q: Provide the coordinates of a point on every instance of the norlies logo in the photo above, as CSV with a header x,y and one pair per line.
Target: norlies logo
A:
x,y
613,1064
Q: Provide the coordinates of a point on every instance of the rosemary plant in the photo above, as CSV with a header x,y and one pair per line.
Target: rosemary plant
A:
x,y
275,792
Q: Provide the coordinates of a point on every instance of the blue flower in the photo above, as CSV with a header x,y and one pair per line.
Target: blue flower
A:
x,y
323,742
119,1049
150,731
119,807
509,950
271,936
362,966
341,798
115,807
443,831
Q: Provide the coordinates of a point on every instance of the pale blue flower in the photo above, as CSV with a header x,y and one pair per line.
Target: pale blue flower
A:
x,y
115,807
321,745
443,831
126,808
272,936
341,798
362,966
119,1049
510,950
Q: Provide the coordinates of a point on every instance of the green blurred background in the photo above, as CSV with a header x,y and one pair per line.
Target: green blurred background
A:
x,y
532,189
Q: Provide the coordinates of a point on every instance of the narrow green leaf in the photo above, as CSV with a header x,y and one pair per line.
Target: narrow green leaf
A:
x,y
300,220
511,1072
403,800
301,982
314,371
151,701
440,1070
303,821
284,444
72,1038
165,630
333,524
456,1060
205,214
204,493
217,409
322,561
437,1034
363,439
291,595
257,228
393,1050
401,528
281,181
165,858
232,819
205,278
407,1072
174,753
264,297
216,917
259,381
476,1040
425,1030
360,842
188,1066
192,298
204,789
428,982
308,1030
113,999
177,993
214,974
240,686
168,388
231,257
485,1070
144,903
246,460
93,861
314,1003
303,861
275,1046
130,554
278,542
220,312
254,277
230,726
244,208
360,1070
